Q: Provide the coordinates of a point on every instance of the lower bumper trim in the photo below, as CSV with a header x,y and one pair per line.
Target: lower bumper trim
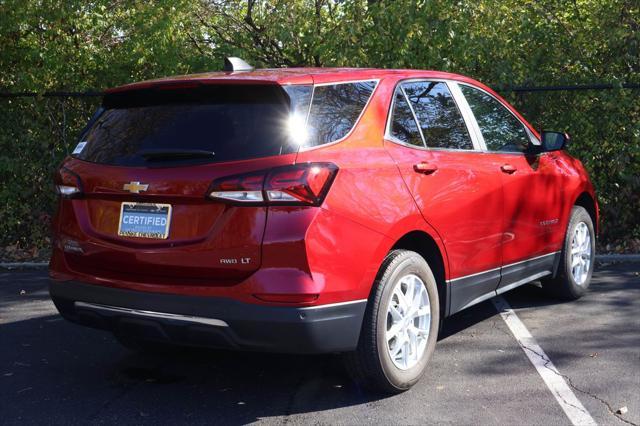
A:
x,y
150,314
211,321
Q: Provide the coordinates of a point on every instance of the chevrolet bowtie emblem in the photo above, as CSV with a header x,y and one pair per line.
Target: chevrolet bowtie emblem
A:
x,y
135,187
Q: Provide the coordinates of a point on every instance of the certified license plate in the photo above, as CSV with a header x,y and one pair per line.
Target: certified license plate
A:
x,y
144,220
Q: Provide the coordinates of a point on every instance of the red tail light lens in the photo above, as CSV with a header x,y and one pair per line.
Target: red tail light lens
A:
x,y
300,184
67,183
304,184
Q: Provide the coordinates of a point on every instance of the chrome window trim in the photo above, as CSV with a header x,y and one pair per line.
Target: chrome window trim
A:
x,y
530,134
469,118
388,136
336,83
397,141
533,137
355,124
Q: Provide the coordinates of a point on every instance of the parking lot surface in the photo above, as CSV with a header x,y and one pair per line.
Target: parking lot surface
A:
x,y
52,371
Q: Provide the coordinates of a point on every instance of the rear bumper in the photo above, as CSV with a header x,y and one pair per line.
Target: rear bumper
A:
x,y
211,321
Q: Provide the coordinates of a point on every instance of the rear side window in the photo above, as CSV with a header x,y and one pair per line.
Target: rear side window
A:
x,y
156,127
335,109
440,120
403,125
501,130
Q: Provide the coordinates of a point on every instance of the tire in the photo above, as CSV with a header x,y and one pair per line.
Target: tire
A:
x,y
371,364
567,285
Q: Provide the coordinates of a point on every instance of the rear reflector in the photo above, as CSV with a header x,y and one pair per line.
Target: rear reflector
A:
x,y
72,246
300,184
287,298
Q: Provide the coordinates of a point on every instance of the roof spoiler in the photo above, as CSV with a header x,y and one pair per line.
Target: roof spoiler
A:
x,y
234,64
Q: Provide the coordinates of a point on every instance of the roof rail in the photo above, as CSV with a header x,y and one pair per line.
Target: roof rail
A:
x,y
233,64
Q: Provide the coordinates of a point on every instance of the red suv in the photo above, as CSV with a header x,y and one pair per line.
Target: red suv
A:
x,y
313,210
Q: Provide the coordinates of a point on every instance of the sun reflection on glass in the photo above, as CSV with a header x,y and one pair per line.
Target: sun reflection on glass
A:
x,y
297,129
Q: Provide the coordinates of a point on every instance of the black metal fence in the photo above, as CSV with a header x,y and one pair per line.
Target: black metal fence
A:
x,y
500,88
38,129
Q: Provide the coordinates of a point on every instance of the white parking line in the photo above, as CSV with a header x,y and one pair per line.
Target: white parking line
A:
x,y
571,405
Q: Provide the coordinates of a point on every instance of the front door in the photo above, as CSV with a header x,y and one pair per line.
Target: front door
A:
x,y
532,191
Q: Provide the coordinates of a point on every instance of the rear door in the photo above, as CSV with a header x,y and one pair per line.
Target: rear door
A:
x,y
455,186
146,164
533,190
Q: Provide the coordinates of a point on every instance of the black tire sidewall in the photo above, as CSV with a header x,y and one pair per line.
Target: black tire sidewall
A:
x,y
410,263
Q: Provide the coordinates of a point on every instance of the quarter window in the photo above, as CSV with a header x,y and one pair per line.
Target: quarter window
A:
x,y
403,125
335,109
501,130
440,120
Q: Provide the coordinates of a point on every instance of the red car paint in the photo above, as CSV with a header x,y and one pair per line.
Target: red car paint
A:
x,y
478,216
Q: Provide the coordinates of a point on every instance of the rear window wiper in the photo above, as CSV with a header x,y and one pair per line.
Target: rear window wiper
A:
x,y
164,154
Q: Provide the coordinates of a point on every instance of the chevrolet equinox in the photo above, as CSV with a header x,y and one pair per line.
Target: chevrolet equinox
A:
x,y
313,210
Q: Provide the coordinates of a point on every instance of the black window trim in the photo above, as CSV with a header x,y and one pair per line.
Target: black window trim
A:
x,y
532,137
413,114
355,124
477,148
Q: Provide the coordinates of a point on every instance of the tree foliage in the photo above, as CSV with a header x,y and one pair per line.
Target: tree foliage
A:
x,y
77,45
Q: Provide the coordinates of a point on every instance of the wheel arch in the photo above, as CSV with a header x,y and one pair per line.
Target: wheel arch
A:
x,y
586,201
425,245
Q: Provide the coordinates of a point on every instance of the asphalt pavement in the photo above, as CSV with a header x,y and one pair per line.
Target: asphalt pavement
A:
x,y
55,372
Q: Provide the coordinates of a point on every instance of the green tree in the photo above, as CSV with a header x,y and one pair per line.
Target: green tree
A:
x,y
50,45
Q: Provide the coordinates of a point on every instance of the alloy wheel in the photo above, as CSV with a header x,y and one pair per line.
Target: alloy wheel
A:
x,y
408,322
581,253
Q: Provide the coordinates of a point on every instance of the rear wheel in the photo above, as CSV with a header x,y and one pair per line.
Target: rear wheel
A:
x,y
400,327
577,259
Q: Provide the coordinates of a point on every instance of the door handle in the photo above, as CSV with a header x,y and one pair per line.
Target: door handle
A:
x,y
425,168
508,168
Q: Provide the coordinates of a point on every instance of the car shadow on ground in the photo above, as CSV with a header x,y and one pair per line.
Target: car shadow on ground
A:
x,y
60,372
58,367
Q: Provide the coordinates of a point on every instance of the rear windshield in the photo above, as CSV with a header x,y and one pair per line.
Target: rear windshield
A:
x,y
218,123
187,126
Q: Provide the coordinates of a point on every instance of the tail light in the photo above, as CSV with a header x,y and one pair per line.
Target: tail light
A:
x,y
300,184
245,189
67,183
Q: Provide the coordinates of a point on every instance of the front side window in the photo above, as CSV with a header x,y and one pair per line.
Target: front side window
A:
x,y
501,130
440,120
335,108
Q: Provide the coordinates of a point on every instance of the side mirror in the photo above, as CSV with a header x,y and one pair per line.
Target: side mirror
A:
x,y
554,141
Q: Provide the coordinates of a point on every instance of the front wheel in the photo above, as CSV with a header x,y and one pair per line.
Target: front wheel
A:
x,y
577,258
400,326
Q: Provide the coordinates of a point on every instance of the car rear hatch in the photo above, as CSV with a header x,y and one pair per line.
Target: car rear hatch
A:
x,y
145,164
